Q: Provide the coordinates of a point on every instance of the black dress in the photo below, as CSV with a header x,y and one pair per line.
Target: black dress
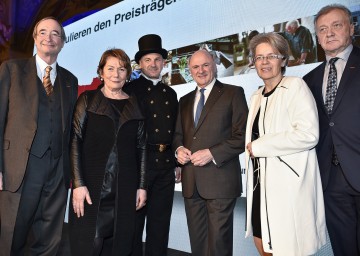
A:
x,y
110,170
255,213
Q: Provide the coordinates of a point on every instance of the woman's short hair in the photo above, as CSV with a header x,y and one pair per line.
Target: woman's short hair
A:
x,y
275,40
120,55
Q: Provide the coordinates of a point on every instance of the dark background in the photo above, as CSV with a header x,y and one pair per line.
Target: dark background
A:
x,y
18,18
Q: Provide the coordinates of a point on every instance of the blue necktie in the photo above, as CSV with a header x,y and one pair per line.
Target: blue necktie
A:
x,y
331,87
200,106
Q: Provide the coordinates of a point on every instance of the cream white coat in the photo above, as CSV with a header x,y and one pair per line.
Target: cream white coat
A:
x,y
292,206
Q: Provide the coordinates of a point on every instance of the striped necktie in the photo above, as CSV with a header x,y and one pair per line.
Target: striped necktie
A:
x,y
47,82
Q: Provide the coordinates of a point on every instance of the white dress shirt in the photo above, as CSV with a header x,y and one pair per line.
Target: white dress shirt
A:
x,y
207,91
40,69
340,66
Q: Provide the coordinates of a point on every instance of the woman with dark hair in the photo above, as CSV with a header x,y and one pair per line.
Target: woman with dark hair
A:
x,y
108,163
285,212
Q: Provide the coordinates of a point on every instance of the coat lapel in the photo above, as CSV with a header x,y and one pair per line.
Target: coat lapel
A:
x,y
350,70
215,94
268,109
254,108
65,93
29,86
318,91
189,109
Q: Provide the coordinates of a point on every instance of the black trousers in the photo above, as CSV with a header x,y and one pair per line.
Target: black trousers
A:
x,y
160,196
342,209
41,209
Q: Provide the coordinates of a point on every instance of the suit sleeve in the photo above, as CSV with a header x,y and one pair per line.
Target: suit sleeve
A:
x,y
234,145
4,101
178,134
141,148
77,138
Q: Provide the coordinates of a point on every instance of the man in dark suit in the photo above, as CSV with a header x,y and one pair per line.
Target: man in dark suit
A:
x,y
37,97
209,136
159,104
335,85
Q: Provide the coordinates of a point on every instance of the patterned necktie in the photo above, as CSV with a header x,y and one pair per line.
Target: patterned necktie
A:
x,y
331,87
200,106
47,82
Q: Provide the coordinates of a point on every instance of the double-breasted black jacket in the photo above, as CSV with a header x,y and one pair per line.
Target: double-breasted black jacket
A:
x,y
159,104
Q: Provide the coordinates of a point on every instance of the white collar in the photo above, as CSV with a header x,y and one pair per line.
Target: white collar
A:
x,y
209,87
154,81
42,64
344,55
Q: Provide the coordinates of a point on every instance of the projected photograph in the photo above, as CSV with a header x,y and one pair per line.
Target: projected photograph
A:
x,y
232,55
300,34
355,11
176,69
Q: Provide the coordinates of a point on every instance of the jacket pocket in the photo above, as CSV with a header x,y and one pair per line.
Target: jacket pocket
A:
x,y
288,166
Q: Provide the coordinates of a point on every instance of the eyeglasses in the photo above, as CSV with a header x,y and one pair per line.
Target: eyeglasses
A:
x,y
50,34
261,58
334,27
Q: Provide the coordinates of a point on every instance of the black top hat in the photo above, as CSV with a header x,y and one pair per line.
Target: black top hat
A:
x,y
150,44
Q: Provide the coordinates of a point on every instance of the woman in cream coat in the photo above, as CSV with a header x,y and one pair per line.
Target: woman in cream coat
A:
x,y
285,208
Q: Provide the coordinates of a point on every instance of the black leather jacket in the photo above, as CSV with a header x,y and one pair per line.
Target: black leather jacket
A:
x,y
95,102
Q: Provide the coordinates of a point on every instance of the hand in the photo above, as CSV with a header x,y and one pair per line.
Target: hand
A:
x,y
79,195
177,174
201,157
300,61
1,181
249,149
140,198
183,155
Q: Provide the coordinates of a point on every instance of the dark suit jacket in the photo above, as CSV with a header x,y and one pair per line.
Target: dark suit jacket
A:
x,y
221,128
342,129
18,117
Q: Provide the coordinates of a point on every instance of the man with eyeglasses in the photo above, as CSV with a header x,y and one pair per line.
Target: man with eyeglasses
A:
x,y
37,98
335,85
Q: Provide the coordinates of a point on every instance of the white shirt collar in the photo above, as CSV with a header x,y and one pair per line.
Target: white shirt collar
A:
x,y
154,81
344,55
40,68
209,87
